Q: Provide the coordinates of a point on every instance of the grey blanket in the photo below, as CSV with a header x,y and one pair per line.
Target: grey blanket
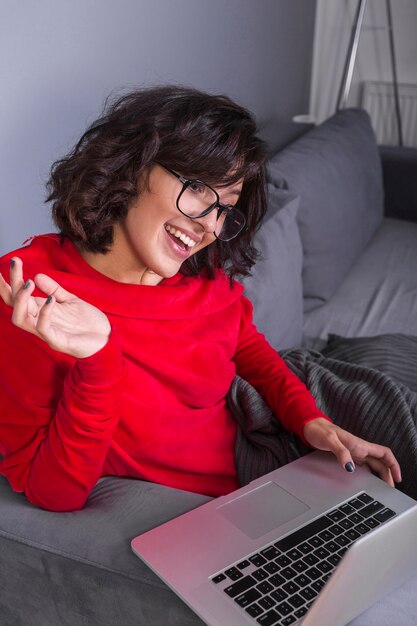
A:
x,y
361,399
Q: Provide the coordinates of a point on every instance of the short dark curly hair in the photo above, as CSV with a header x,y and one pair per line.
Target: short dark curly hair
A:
x,y
203,136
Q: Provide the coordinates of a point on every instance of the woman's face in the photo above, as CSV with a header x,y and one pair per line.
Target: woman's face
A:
x,y
157,238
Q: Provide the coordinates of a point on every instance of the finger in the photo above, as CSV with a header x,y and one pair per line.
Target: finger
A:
x,y
386,457
16,275
21,305
381,470
5,292
43,325
49,286
341,452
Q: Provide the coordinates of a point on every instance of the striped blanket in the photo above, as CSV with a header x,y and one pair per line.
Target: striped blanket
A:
x,y
358,397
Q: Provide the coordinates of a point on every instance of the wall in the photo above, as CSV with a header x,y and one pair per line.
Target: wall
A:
x,y
332,32
60,58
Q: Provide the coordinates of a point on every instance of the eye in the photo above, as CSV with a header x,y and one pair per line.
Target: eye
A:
x,y
198,188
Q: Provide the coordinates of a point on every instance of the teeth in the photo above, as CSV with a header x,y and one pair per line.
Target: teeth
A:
x,y
180,235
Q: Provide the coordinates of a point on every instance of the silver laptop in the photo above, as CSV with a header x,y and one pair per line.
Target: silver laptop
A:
x,y
306,544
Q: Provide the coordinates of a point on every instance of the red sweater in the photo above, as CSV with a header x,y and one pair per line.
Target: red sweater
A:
x,y
151,404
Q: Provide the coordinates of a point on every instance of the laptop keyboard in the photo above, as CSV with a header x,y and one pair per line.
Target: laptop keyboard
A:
x,y
278,584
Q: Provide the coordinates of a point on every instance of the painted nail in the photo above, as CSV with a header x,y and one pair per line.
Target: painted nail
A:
x,y
26,285
12,263
349,467
48,300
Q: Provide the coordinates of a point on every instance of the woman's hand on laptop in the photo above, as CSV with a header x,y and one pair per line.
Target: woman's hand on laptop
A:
x,y
351,450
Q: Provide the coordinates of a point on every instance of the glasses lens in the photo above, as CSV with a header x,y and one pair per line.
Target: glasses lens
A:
x,y
196,198
229,224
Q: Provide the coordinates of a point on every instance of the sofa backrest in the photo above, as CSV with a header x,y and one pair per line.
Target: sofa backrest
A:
x,y
275,286
335,168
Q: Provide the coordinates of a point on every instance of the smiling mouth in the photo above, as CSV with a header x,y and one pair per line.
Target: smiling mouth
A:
x,y
180,238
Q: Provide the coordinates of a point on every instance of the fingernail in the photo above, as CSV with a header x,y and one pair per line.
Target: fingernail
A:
x,y
12,263
26,285
349,467
48,300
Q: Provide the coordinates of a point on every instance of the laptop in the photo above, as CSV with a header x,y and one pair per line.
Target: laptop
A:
x,y
305,544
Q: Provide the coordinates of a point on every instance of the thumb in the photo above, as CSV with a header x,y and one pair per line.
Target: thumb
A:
x,y
49,286
342,454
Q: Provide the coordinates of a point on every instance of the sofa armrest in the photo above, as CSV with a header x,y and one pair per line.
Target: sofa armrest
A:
x,y
399,166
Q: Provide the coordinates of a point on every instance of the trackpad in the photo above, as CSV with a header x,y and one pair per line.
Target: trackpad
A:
x,y
263,509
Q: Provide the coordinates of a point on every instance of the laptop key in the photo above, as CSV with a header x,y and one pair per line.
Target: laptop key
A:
x,y
254,610
283,560
372,508
240,586
308,593
316,542
325,567
346,524
287,621
219,578
310,559
384,515
332,547
270,553
257,560
271,567
364,497
233,573
334,559
288,573
372,522
356,518
294,554
248,597
313,573
267,602
299,566
276,580
336,515
318,585
356,503
352,534
290,587
260,574
243,564
302,580
303,534
296,601
347,509
264,587
343,541
284,608
326,535
305,547
337,529
300,612
269,619
279,595
362,529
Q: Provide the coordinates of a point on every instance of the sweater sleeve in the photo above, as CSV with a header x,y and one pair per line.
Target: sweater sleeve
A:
x,y
57,417
259,364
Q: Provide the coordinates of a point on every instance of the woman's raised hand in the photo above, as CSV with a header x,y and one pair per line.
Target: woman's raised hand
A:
x,y
67,323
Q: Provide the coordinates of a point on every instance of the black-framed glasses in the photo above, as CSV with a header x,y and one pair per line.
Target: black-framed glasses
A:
x,y
196,199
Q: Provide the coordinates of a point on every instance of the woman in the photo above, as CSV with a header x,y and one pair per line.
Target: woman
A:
x,y
128,328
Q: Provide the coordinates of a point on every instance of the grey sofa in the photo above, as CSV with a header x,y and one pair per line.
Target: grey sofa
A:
x,y
332,263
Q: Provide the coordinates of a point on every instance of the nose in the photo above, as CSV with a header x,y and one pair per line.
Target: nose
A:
x,y
208,222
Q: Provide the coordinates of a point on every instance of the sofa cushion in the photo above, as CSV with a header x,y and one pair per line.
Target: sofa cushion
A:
x,y
275,287
78,568
379,293
336,170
